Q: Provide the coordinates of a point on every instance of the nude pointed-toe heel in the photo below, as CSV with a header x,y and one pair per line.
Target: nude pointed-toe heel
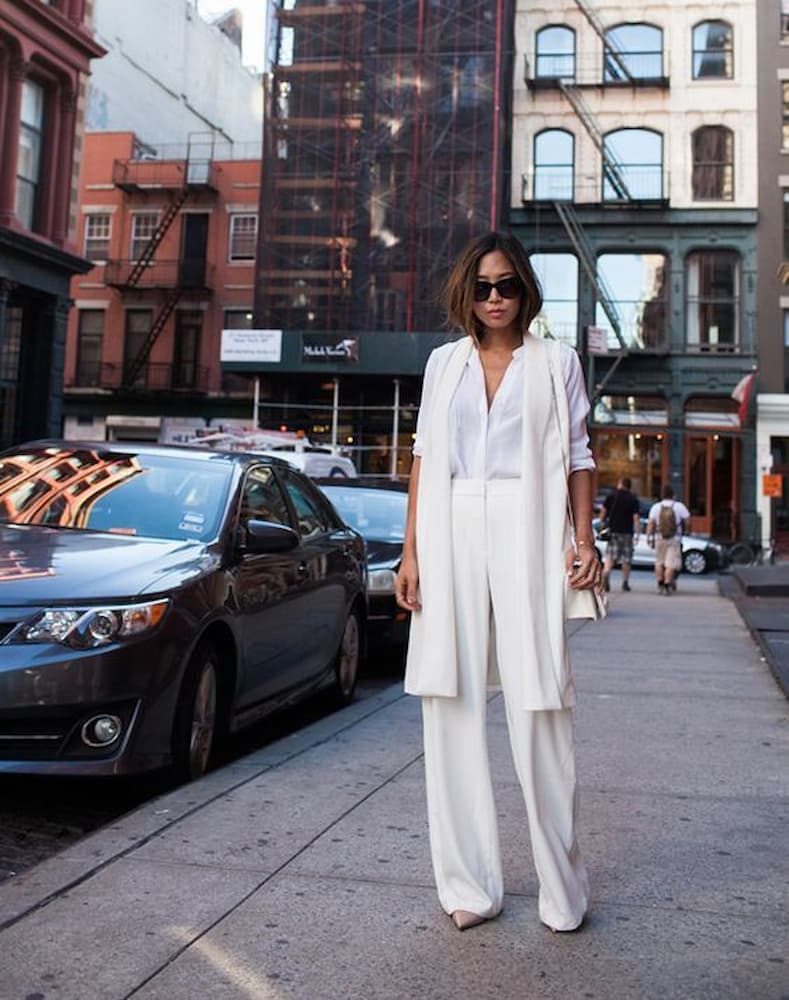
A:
x,y
463,919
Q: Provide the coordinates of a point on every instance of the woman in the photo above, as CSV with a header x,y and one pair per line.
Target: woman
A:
x,y
501,447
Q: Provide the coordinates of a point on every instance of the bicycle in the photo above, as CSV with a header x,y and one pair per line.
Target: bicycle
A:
x,y
750,553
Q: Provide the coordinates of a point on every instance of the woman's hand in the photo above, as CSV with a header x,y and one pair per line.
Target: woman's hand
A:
x,y
583,567
407,584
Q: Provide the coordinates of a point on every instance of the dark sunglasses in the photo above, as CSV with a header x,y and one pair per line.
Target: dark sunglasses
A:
x,y
507,288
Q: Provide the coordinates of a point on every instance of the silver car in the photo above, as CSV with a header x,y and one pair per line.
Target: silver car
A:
x,y
699,554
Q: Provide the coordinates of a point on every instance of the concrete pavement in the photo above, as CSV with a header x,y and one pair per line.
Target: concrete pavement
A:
x,y
303,870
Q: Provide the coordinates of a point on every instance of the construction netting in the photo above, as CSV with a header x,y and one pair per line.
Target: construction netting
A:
x,y
386,149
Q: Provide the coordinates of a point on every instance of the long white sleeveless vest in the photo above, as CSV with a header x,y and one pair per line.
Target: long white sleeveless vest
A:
x,y
431,668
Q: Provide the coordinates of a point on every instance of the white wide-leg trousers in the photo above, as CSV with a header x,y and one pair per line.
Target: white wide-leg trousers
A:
x,y
464,837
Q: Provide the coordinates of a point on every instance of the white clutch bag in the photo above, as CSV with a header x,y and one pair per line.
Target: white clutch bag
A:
x,y
584,604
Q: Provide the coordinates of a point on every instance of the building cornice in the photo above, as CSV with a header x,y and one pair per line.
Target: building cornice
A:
x,y
52,32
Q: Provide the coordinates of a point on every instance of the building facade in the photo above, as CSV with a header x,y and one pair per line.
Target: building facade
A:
x,y
172,244
772,419
45,53
635,189
155,79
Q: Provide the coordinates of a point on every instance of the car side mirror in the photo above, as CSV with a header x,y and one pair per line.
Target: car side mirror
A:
x,y
265,536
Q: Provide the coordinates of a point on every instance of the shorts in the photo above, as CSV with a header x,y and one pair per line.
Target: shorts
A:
x,y
668,553
620,548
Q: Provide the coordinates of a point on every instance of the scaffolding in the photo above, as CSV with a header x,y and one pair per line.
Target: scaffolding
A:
x,y
386,150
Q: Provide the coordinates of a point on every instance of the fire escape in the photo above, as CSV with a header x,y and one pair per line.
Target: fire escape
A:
x,y
615,69
178,179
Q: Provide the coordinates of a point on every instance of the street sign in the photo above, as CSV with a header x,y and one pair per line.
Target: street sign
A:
x,y
772,485
596,340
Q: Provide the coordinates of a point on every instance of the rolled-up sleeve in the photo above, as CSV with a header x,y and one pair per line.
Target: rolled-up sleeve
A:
x,y
578,405
424,406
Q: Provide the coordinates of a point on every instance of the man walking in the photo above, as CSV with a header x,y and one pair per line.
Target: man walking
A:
x,y
668,520
621,514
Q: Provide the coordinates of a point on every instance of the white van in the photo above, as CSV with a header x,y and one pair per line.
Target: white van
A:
x,y
312,459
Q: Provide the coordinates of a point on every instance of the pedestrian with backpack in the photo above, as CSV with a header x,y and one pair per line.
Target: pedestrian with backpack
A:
x,y
668,521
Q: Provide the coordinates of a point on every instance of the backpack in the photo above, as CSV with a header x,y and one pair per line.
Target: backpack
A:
x,y
667,521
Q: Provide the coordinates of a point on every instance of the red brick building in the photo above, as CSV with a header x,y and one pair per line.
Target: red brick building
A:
x,y
45,53
172,236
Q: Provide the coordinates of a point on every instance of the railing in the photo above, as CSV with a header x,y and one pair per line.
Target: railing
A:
x,y
162,274
643,325
647,184
646,69
154,377
164,174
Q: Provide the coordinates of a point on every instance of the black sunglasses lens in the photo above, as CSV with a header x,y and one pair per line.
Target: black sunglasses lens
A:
x,y
508,288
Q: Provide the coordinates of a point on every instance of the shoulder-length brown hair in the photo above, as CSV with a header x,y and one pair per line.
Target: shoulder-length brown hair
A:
x,y
458,292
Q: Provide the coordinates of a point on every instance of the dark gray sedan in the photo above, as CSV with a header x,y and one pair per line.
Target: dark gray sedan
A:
x,y
154,598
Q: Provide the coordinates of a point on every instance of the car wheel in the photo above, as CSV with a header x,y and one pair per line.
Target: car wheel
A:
x,y
694,561
195,729
346,666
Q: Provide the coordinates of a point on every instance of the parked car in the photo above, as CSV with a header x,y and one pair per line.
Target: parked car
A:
x,y
376,508
699,554
312,459
153,598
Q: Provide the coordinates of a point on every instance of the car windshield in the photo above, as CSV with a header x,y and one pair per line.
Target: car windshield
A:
x,y
119,491
378,515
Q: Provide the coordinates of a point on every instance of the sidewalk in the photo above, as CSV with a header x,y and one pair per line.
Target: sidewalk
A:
x,y
303,870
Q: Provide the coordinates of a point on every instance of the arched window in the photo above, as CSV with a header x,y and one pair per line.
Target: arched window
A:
x,y
713,300
558,277
639,48
633,165
555,53
554,152
713,163
713,50
638,288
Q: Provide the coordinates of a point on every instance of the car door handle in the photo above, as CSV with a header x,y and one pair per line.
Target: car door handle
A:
x,y
302,569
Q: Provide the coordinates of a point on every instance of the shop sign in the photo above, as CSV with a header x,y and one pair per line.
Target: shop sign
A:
x,y
772,485
329,347
264,346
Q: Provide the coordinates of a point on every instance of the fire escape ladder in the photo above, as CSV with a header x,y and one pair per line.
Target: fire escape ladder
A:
x,y
134,368
146,257
612,170
610,51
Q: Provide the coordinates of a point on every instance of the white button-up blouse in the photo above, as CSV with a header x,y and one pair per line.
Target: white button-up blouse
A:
x,y
485,443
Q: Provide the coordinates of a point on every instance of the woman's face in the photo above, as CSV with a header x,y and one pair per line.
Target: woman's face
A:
x,y
497,312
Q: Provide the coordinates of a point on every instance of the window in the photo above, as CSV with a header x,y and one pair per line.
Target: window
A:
x,y
262,498
784,19
97,236
243,236
90,334
311,518
186,349
28,169
138,326
554,165
713,51
143,228
786,225
637,288
558,277
638,48
712,300
555,53
785,115
237,319
713,163
633,165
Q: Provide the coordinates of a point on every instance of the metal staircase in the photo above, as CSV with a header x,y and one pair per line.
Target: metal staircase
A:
x,y
612,53
132,371
612,170
149,252
580,242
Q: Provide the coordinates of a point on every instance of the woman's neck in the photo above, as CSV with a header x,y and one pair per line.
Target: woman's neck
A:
x,y
501,340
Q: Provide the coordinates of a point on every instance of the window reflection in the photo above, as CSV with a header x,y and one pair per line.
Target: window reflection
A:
x,y
713,50
639,49
558,277
554,165
556,53
635,156
637,284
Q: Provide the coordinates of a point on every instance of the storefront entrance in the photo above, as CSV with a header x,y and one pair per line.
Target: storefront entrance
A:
x,y
641,455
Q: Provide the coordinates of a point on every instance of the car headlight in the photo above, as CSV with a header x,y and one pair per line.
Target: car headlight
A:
x,y
87,628
381,581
